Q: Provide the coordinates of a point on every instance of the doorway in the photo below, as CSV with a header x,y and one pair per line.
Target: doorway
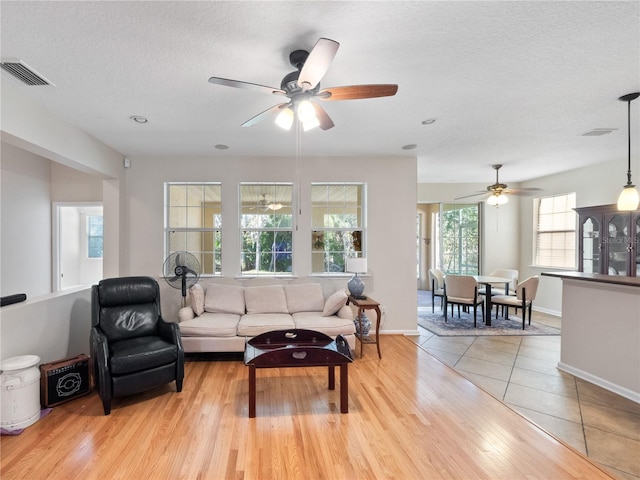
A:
x,y
77,245
426,241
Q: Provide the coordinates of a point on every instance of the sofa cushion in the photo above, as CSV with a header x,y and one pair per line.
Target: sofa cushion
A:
x,y
334,303
196,292
252,324
220,298
211,325
266,299
305,297
331,326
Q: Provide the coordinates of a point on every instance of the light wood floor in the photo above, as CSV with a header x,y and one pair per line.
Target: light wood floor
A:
x,y
410,417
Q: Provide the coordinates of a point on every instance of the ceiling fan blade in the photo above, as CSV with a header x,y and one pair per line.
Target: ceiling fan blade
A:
x,y
262,115
524,191
472,195
317,63
354,92
323,117
245,85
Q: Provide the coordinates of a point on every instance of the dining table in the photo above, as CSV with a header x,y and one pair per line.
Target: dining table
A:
x,y
487,280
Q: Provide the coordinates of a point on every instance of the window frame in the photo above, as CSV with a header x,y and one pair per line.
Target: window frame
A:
x,y
213,255
456,244
319,234
259,196
89,237
568,229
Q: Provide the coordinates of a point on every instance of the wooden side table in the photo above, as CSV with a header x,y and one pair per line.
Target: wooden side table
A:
x,y
367,304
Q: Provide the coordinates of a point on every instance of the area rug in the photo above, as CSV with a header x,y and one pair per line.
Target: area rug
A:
x,y
434,322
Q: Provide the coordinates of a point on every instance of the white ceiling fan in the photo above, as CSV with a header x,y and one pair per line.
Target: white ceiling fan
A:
x,y
498,191
302,89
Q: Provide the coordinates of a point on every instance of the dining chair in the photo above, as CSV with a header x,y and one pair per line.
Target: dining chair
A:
x,y
498,288
462,290
525,295
436,279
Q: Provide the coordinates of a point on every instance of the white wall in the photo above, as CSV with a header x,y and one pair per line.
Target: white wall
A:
x,y
391,186
52,326
25,233
49,325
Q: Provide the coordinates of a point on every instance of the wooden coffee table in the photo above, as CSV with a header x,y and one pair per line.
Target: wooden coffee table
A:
x,y
298,348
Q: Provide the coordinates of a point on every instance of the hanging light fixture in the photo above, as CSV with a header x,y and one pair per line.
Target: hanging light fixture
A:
x,y
285,118
497,199
303,110
629,199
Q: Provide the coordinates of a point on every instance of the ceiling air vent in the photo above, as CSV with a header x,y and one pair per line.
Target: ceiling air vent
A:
x,y
23,73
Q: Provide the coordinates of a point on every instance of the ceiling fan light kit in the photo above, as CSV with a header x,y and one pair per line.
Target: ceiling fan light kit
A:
x,y
303,86
629,199
497,199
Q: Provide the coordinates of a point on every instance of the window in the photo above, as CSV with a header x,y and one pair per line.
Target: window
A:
x,y
555,242
193,223
95,238
266,228
338,225
460,240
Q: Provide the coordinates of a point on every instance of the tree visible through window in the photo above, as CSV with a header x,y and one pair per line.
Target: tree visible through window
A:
x,y
193,223
95,236
266,228
338,225
460,239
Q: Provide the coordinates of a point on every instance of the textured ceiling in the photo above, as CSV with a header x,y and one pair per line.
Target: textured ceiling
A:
x,y
516,83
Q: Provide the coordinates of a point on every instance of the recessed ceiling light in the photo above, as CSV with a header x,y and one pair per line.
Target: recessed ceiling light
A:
x,y
411,146
221,146
138,119
428,121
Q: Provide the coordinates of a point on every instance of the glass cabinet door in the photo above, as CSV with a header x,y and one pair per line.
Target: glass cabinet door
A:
x,y
617,243
591,245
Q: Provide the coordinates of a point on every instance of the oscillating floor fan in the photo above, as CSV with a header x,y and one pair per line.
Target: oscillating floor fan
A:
x,y
181,270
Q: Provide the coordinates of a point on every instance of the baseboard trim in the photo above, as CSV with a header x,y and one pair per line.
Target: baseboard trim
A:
x,y
555,313
601,382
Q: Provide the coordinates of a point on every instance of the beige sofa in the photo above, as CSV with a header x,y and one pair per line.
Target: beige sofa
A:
x,y
222,316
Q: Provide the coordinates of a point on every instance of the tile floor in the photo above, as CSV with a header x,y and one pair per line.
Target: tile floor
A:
x,y
521,372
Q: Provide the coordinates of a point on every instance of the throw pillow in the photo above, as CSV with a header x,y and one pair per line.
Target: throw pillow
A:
x,y
334,303
305,297
185,314
197,299
267,299
221,298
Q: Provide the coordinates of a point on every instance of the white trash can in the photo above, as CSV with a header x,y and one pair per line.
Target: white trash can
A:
x,y
20,395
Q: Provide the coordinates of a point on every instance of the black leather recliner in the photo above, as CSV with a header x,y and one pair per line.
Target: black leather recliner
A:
x,y
132,347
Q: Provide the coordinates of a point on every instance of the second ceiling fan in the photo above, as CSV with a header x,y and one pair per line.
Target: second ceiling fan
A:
x,y
499,191
302,88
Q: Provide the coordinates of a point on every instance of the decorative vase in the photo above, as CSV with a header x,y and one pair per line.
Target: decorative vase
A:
x,y
356,286
366,325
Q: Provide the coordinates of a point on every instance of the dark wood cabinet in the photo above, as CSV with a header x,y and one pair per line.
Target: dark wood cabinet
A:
x,y
608,240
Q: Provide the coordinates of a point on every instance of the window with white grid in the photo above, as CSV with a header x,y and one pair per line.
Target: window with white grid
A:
x,y
555,232
193,223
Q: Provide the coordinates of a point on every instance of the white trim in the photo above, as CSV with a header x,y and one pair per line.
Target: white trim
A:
x,y
601,382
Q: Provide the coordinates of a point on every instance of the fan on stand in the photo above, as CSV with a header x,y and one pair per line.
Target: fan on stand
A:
x,y
181,270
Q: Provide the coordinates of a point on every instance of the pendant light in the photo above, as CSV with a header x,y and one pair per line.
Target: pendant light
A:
x,y
629,199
